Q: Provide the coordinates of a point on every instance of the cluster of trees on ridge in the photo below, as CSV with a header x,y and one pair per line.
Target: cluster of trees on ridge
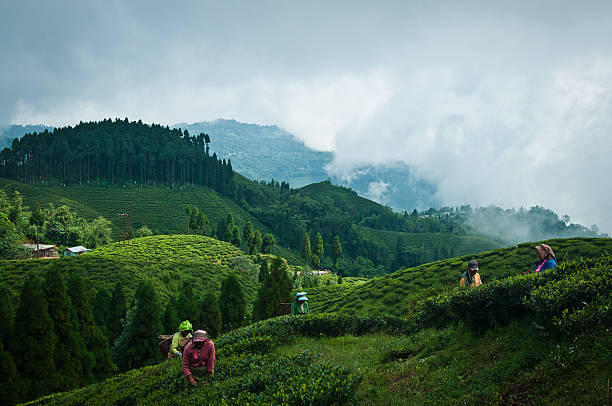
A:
x,y
116,152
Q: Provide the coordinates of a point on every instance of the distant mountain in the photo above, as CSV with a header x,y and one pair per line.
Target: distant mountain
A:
x,y
8,133
269,152
264,152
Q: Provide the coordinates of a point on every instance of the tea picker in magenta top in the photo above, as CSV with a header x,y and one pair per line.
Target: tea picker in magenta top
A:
x,y
546,258
471,277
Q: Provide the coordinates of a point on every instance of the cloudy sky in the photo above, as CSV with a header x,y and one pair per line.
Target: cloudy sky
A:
x,y
506,103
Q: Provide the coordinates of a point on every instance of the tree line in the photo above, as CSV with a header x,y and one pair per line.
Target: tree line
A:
x,y
116,152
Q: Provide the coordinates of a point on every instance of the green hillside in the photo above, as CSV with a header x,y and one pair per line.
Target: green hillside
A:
x,y
552,349
460,244
398,292
167,261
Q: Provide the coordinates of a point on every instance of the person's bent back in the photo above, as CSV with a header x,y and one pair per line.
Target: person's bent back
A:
x,y
198,358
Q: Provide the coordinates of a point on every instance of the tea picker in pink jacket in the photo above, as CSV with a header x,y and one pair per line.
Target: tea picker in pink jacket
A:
x,y
198,358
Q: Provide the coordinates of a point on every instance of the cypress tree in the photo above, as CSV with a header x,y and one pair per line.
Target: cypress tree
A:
x,y
319,250
187,305
69,349
137,345
171,318
306,248
263,271
6,316
275,289
118,308
33,352
97,357
268,242
232,303
336,251
9,389
210,315
249,236
102,306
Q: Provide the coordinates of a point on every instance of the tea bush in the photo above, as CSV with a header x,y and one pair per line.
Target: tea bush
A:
x,y
245,372
572,285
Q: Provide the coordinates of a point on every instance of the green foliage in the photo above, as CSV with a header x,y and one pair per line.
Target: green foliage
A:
x,y
102,309
232,303
144,231
567,288
34,327
117,310
268,242
306,248
10,243
171,318
397,293
319,249
210,318
276,289
69,349
9,385
137,345
6,316
97,233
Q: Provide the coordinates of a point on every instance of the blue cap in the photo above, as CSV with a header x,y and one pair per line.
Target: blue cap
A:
x,y
302,298
300,294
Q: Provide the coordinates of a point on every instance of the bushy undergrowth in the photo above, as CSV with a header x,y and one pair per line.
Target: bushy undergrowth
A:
x,y
246,371
563,293
398,292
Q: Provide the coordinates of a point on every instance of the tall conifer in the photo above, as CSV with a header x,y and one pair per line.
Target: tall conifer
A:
x,y
232,303
35,329
118,308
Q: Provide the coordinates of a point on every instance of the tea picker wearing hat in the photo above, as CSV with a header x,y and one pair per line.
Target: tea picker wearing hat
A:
x,y
198,358
471,277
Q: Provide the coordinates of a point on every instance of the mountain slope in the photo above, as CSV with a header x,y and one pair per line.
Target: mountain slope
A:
x,y
398,292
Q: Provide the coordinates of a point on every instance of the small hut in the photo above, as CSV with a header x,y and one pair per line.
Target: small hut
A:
x,y
74,251
42,250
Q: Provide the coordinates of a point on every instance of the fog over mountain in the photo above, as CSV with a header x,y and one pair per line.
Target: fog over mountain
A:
x,y
503,103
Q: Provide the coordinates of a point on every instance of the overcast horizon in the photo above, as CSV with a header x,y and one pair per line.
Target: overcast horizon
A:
x,y
493,103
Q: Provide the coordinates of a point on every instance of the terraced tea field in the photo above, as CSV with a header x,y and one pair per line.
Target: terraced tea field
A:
x,y
165,260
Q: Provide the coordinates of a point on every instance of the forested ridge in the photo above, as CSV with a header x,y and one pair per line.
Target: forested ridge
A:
x,y
116,152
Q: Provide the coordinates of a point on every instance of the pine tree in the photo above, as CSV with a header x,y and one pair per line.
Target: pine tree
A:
x,y
336,251
6,316
69,349
249,236
263,271
9,386
210,318
268,242
97,357
306,248
319,250
232,303
137,345
276,289
316,262
102,309
257,241
187,306
171,318
37,368
118,308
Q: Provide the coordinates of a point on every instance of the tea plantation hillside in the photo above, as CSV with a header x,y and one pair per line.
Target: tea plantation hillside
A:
x,y
397,293
552,347
459,244
167,261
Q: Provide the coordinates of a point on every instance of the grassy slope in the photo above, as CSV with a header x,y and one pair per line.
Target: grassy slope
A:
x,y
516,364
396,293
159,208
462,244
165,260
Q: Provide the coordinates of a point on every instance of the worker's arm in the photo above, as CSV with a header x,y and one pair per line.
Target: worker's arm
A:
x,y
175,343
477,280
462,282
187,360
210,364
